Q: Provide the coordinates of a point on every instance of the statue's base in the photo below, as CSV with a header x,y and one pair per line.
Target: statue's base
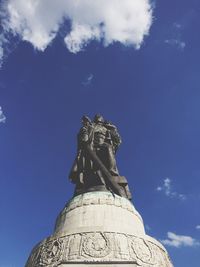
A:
x,y
99,229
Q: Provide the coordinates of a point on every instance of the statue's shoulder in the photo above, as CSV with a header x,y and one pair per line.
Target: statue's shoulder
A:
x,y
99,128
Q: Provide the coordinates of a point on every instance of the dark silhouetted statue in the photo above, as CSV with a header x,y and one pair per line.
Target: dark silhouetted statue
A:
x,y
95,168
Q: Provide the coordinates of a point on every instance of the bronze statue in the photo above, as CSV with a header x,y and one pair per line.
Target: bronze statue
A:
x,y
95,168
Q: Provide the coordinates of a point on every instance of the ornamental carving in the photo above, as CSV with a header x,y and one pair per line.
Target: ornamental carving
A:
x,y
99,247
142,251
51,252
74,246
106,198
161,257
122,247
96,245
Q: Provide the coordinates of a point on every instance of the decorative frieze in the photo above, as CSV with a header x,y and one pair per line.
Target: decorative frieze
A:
x,y
99,247
98,198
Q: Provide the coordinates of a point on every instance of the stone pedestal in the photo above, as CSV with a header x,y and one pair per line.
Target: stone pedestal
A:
x,y
99,229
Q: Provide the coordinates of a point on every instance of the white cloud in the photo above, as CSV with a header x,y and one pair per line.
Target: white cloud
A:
x,y
38,22
79,37
2,116
177,241
198,227
167,189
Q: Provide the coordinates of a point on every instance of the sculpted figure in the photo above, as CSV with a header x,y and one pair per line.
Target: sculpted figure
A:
x,y
95,168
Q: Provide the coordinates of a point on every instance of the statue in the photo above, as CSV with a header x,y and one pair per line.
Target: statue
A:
x,y
95,167
98,228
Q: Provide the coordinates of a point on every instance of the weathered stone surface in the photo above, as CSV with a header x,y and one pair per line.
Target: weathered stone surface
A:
x,y
98,228
99,247
97,211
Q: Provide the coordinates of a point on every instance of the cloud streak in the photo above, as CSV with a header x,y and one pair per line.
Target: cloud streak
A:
x,y
178,241
167,189
88,80
2,116
38,22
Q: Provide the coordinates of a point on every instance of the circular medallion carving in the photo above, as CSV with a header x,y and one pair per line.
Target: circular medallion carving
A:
x,y
142,251
96,245
50,252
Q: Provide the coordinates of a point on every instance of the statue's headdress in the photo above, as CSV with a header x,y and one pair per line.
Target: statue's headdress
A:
x,y
86,119
98,118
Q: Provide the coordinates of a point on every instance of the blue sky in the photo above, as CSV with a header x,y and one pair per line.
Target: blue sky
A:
x,y
147,85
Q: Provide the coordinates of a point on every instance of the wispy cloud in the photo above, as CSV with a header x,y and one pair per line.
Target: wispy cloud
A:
x,y
177,25
178,241
167,189
88,80
198,227
1,55
38,22
175,38
2,116
7,44
176,42
147,227
2,42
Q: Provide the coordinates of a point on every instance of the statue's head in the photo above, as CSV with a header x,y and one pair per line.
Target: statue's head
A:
x,y
98,118
86,120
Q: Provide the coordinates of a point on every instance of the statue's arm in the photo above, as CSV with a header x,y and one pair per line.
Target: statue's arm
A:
x,y
115,136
